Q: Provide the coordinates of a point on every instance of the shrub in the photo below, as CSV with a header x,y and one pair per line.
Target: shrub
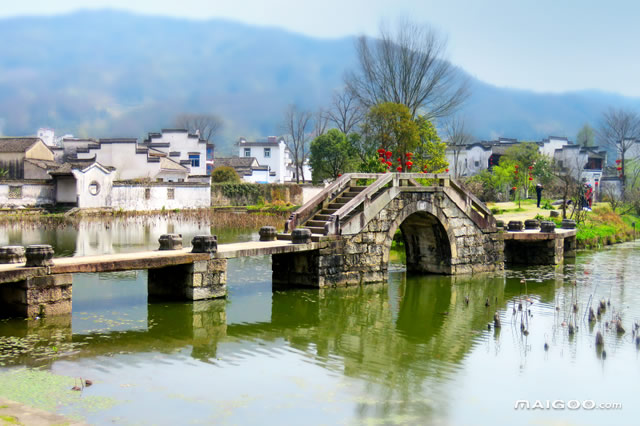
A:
x,y
224,174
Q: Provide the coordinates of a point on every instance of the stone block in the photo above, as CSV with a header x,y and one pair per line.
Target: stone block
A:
x,y
547,226
268,233
170,242
515,225
568,224
204,244
301,236
531,224
38,255
12,254
197,280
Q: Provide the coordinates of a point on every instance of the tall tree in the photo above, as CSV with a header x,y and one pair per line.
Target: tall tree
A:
x,y
620,130
206,125
408,67
458,138
345,112
586,136
296,128
389,126
331,155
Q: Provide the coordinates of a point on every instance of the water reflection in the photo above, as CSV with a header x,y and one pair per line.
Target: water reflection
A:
x,y
87,237
417,350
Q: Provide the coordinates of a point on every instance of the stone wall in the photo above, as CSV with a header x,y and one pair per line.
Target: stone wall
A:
x,y
129,196
246,194
439,238
29,194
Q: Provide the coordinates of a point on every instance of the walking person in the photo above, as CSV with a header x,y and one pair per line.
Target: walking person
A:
x,y
539,189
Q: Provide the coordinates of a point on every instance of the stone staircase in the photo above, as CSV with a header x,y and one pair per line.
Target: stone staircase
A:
x,y
316,223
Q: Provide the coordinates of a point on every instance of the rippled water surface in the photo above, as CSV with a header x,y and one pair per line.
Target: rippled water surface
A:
x,y
412,351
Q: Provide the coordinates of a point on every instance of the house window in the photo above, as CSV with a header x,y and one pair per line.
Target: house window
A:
x,y
94,188
195,160
147,193
476,163
171,193
15,192
247,152
267,153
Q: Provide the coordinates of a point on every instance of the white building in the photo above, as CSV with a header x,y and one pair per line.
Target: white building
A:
x,y
274,154
170,156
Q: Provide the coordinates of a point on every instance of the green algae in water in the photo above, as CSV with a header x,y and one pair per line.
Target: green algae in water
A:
x,y
50,392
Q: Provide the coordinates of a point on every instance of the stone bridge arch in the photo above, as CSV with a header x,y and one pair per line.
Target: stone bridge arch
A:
x,y
443,235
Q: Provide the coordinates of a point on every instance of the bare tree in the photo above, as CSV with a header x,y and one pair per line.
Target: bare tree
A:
x,y
296,129
457,140
620,129
207,125
320,123
408,67
345,111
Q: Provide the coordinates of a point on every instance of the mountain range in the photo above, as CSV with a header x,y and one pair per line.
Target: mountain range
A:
x,y
109,74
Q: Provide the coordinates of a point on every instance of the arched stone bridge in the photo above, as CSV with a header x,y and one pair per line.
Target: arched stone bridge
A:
x,y
446,230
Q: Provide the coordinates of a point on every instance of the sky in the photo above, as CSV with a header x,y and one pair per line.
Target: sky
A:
x,y
541,45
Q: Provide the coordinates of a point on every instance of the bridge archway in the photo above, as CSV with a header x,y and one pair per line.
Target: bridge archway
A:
x,y
429,245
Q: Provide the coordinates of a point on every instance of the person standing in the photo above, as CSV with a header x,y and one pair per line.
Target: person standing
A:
x,y
539,189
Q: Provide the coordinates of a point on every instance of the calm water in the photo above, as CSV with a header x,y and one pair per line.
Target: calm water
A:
x,y
408,352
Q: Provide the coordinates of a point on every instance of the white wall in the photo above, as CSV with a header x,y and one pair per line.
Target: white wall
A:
x,y
66,189
186,196
181,142
308,192
480,156
549,147
122,156
33,194
259,176
104,183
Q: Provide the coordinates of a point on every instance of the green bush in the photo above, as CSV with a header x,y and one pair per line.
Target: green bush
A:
x,y
224,174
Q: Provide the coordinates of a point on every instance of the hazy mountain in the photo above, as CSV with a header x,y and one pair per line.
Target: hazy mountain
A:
x,y
109,73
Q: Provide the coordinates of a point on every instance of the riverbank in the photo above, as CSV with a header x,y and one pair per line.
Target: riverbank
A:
x,y
601,226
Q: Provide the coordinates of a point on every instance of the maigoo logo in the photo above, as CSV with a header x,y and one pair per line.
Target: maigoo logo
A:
x,y
572,404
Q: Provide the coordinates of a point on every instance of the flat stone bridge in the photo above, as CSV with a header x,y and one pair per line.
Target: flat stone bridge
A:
x,y
341,237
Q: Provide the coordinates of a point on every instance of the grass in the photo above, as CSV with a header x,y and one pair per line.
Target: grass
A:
x,y
603,227
9,420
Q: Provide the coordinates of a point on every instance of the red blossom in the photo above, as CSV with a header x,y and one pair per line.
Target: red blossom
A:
x,y
388,154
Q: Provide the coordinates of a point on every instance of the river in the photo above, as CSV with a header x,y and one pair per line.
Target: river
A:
x,y
416,350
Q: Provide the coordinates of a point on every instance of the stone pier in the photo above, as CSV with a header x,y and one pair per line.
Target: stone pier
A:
x,y
202,279
37,296
539,248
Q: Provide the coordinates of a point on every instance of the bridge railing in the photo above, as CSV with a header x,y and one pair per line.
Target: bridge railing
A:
x,y
466,201
321,199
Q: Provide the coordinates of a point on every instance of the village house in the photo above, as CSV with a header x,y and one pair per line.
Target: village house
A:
x,y
274,162
471,159
168,170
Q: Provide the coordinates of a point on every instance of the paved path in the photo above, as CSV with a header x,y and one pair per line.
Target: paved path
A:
x,y
148,259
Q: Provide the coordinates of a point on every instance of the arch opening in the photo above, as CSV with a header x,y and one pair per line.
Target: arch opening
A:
x,y
426,243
